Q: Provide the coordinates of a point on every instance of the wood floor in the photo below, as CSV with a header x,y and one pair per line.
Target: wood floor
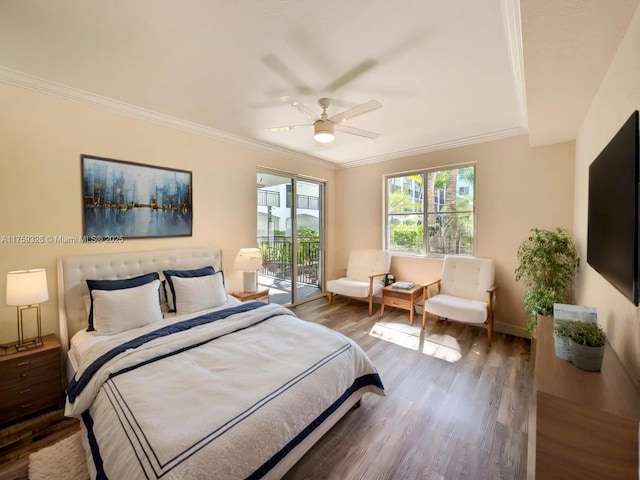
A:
x,y
19,440
440,419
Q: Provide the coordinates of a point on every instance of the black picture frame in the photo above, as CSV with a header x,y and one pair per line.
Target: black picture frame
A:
x,y
127,200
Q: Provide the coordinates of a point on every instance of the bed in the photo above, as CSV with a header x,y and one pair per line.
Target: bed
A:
x,y
211,387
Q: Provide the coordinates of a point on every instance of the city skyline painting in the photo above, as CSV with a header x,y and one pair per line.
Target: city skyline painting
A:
x,y
132,200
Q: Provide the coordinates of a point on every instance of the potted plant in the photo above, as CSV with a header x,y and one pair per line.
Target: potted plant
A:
x,y
562,344
587,345
548,260
561,329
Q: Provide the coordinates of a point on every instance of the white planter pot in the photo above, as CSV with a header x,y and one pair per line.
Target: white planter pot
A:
x,y
587,358
562,347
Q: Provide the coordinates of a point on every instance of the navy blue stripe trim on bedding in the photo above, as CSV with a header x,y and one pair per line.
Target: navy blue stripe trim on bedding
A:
x,y
162,468
109,392
360,382
93,443
188,347
77,386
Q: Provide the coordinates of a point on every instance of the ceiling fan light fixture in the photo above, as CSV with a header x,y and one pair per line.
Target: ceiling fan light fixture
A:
x,y
323,131
323,124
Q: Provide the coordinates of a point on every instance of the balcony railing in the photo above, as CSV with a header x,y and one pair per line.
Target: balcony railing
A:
x,y
277,255
268,198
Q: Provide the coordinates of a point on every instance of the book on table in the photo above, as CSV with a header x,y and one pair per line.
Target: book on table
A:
x,y
403,285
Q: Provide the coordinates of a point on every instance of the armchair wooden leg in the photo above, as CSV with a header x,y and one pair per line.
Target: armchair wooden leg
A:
x,y
424,318
490,328
330,297
370,305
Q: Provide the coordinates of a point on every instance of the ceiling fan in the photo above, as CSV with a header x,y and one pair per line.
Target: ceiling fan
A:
x,y
323,125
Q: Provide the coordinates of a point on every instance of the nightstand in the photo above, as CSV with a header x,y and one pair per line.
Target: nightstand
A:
x,y
262,295
401,298
30,381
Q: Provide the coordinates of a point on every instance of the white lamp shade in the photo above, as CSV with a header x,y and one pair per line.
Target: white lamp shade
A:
x,y
27,287
248,259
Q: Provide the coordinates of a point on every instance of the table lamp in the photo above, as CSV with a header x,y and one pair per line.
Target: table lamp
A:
x,y
249,260
26,289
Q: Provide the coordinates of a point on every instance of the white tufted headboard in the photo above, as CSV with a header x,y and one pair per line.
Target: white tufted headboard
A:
x,y
74,271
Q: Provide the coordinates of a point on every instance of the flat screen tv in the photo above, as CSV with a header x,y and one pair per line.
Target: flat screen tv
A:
x,y
612,238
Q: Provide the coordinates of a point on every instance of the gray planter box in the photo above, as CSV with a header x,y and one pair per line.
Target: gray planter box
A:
x,y
587,358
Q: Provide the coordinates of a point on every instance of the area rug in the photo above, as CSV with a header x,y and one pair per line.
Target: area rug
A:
x,y
64,460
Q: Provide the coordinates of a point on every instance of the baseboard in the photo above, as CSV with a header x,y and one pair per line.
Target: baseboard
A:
x,y
510,329
501,327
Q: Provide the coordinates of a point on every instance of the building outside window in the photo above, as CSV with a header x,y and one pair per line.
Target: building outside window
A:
x,y
431,212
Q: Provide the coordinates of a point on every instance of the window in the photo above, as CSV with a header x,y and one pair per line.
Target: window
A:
x,y
307,202
268,198
431,212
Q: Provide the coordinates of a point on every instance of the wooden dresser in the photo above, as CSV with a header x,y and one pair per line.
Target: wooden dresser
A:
x,y
30,381
582,425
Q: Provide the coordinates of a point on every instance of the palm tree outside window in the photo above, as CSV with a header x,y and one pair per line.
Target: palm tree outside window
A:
x,y
438,223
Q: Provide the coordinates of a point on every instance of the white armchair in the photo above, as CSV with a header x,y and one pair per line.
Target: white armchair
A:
x,y
465,292
366,272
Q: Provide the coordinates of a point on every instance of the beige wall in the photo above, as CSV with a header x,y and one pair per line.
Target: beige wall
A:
x,y
618,97
41,139
517,188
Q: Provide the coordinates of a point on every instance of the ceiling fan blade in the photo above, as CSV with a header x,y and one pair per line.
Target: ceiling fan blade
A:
x,y
337,102
286,128
278,67
355,111
351,74
356,131
300,107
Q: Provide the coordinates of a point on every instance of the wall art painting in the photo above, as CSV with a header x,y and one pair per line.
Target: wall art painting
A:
x,y
132,200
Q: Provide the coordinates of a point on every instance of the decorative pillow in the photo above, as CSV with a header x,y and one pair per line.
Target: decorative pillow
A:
x,y
119,310
197,293
169,275
164,305
117,285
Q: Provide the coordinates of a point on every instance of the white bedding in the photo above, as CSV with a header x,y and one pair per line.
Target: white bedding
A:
x,y
225,399
83,340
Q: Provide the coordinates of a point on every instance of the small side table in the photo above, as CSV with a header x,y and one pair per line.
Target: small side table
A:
x,y
401,298
262,295
30,381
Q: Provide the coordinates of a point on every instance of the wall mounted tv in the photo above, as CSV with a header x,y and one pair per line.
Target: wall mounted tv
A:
x,y
612,238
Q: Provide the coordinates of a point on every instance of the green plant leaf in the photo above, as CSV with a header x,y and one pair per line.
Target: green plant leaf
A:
x,y
587,334
547,263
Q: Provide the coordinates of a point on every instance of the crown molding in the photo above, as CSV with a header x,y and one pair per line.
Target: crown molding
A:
x,y
47,87
460,142
513,30
20,79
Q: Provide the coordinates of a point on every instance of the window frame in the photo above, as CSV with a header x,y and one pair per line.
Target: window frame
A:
x,y
426,211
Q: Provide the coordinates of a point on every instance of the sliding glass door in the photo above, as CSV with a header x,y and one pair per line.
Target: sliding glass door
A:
x,y
290,233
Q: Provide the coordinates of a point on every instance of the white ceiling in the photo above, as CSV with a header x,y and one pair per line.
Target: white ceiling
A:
x,y
447,73
568,47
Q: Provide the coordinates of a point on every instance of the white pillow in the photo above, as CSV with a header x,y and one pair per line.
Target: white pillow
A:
x,y
198,293
119,310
